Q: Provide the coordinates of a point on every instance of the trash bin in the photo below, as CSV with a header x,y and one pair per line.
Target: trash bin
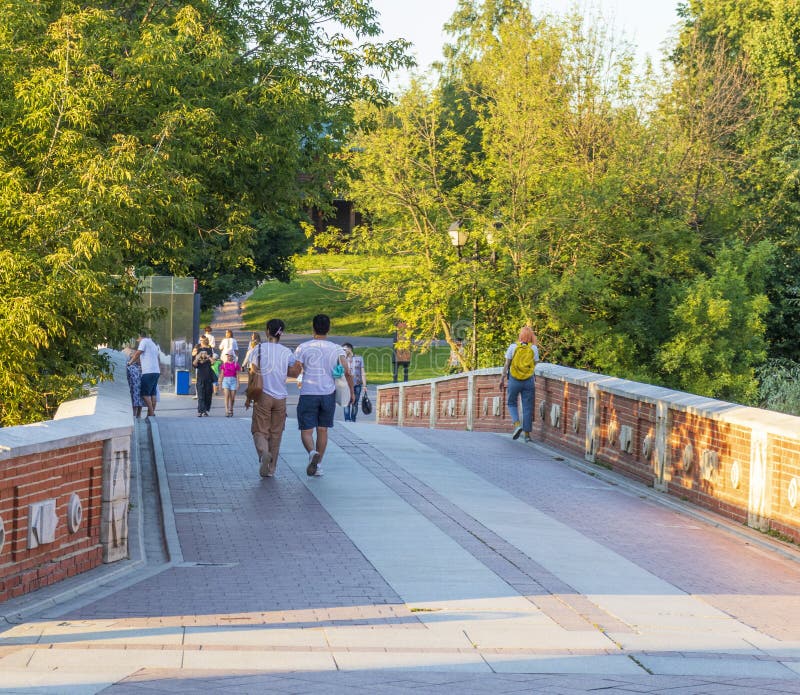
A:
x,y
182,382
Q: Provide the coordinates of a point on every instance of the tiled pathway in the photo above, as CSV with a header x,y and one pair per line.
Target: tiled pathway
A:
x,y
437,562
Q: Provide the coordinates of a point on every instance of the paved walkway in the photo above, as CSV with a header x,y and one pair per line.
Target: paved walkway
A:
x,y
425,561
430,561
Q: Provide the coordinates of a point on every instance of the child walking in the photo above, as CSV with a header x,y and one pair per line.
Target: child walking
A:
x,y
229,371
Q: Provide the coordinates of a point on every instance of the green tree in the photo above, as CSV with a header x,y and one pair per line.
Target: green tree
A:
x,y
173,138
599,206
764,36
407,162
718,327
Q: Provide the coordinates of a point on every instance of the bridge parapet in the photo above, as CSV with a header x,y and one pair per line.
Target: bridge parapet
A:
x,y
65,489
741,462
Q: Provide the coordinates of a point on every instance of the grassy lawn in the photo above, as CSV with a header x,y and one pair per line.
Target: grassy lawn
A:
x,y
378,364
313,291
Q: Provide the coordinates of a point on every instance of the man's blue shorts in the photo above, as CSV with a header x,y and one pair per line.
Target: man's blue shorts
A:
x,y
149,383
316,411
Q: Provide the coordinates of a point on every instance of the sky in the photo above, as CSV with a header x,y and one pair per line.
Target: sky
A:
x,y
645,23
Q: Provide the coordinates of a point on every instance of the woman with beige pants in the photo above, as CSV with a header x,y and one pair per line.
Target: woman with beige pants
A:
x,y
275,362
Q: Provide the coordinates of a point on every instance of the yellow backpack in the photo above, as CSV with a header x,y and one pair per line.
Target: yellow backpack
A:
x,y
523,362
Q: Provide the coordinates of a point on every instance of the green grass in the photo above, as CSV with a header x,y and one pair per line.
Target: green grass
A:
x,y
424,365
313,291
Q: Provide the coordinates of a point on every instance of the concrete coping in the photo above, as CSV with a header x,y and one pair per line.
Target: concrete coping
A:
x,y
721,411
489,371
104,414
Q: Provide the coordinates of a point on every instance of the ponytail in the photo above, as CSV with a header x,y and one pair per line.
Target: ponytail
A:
x,y
275,328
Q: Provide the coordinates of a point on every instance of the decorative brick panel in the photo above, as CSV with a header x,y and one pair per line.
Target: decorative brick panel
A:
x,y
388,406
451,404
490,412
416,405
35,478
52,480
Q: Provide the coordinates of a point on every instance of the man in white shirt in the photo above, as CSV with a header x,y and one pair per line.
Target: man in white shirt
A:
x,y
317,404
212,341
147,352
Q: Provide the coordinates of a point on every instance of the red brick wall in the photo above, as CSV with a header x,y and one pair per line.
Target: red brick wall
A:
x,y
785,455
489,411
620,415
712,490
720,444
451,404
569,431
388,406
37,477
417,406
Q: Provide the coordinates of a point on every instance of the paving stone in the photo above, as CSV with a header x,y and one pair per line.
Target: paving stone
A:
x,y
297,585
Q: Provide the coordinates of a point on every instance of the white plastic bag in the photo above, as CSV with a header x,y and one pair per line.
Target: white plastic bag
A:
x,y
342,391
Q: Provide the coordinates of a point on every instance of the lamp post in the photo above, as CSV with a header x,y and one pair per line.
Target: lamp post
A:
x,y
458,238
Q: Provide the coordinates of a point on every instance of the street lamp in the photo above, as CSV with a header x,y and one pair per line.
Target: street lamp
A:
x,y
458,238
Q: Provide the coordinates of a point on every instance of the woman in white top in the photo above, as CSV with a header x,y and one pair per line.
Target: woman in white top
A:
x,y
255,341
520,388
275,362
228,343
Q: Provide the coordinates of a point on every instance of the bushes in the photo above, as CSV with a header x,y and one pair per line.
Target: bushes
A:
x,y
780,386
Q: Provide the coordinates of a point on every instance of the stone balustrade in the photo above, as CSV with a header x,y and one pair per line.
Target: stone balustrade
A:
x,y
741,462
65,489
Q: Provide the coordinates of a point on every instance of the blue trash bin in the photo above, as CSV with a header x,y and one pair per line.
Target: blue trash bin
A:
x,y
182,382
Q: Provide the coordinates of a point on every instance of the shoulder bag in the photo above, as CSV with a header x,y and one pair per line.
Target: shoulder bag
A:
x,y
342,392
255,382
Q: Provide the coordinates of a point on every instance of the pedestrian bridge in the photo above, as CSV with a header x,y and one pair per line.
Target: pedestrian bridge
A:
x,y
431,560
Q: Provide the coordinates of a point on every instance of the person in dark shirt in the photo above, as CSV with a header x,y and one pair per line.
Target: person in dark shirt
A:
x,y
202,361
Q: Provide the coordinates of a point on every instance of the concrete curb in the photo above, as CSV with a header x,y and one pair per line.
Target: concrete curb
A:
x,y
165,497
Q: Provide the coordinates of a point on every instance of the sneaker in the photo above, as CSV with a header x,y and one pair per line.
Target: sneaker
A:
x,y
266,462
527,437
319,472
313,463
517,430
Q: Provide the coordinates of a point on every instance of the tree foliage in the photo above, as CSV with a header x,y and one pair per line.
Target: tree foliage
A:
x,y
607,209
173,138
407,164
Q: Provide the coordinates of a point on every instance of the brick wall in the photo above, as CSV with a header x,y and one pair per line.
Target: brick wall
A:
x,y
56,474
490,412
452,404
743,463
64,490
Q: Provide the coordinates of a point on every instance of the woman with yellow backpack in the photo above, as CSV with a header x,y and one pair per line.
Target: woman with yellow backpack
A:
x,y
521,359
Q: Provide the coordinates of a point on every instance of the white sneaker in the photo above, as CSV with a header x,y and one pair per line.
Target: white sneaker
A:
x,y
319,472
313,463
266,462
